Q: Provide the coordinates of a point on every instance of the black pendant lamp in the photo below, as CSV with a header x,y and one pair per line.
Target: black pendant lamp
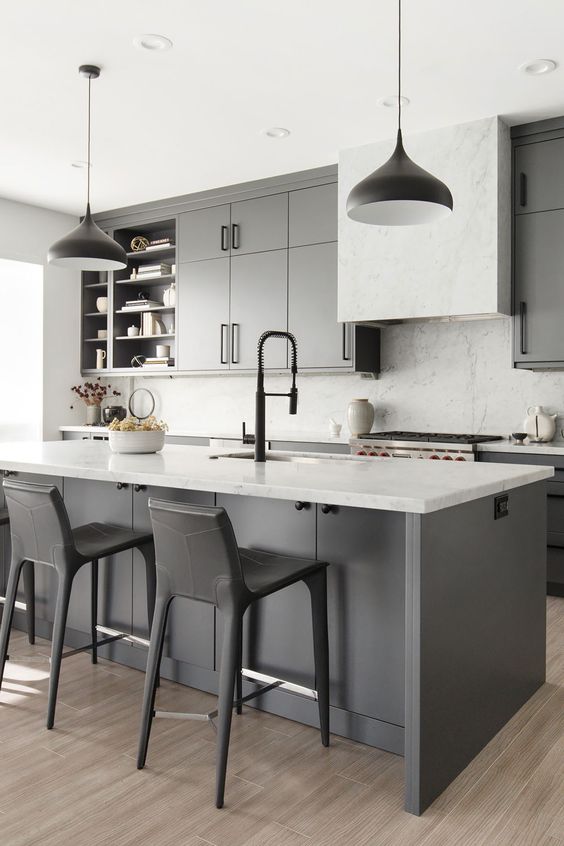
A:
x,y
399,193
87,247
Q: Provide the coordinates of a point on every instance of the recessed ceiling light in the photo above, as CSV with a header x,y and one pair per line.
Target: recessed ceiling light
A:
x,y
537,67
79,164
391,102
152,42
276,132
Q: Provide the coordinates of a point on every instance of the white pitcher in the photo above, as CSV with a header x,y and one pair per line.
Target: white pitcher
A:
x,y
100,356
539,425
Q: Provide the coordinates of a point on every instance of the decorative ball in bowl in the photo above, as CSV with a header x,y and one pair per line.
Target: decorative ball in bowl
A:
x,y
519,437
139,437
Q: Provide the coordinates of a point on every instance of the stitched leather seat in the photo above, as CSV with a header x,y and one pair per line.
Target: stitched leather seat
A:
x,y
100,540
264,572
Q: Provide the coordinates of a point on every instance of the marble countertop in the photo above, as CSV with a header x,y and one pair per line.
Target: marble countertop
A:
x,y
381,483
555,447
272,435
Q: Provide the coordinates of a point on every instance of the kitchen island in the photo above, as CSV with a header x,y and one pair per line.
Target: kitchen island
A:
x,y
436,586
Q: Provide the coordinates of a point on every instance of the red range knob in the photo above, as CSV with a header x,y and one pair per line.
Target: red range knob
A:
x,y
447,458
384,454
360,452
371,453
435,457
460,458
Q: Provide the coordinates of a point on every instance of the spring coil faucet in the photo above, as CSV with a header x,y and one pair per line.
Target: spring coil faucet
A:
x,y
260,401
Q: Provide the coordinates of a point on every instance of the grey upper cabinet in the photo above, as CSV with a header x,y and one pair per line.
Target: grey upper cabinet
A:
x,y
539,287
312,308
313,215
204,233
260,224
258,302
203,315
539,176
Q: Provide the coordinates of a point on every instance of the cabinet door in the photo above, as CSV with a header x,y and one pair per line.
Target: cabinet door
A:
x,y
313,215
259,287
278,635
539,176
366,597
259,225
191,624
539,287
312,308
204,234
90,501
203,315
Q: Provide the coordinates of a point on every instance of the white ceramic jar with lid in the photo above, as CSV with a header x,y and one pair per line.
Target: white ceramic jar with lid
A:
x,y
360,417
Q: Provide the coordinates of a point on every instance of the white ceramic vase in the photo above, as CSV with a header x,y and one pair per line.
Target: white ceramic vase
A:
x,y
360,417
93,415
169,295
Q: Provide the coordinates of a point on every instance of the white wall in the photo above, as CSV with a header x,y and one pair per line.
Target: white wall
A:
x,y
26,232
437,377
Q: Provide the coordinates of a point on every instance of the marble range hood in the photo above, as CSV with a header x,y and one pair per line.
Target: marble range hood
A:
x,y
454,269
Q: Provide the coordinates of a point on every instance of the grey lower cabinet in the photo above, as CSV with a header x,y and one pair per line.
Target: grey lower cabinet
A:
x,y
191,625
539,176
539,292
89,501
204,233
203,315
312,308
366,596
258,302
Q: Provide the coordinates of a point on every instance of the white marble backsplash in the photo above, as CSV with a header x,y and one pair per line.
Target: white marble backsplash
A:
x,y
437,376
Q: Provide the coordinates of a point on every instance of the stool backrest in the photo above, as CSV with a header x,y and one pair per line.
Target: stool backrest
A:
x,y
39,523
195,550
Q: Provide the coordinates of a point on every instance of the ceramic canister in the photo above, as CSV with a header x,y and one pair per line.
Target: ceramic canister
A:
x,y
360,417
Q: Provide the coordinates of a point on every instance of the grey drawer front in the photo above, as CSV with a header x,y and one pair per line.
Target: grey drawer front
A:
x,y
555,565
186,440
555,511
556,461
306,446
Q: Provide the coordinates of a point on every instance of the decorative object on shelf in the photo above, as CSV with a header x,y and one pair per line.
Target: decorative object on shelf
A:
x,y
539,425
141,438
519,438
162,350
100,358
151,325
399,192
160,244
169,295
145,399
87,247
103,277
334,428
133,331
102,304
92,394
360,417
138,361
139,243
102,334
113,412
151,271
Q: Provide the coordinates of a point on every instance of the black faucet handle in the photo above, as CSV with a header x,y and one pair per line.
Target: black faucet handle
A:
x,y
246,439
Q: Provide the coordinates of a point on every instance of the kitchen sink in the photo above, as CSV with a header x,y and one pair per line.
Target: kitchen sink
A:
x,y
299,458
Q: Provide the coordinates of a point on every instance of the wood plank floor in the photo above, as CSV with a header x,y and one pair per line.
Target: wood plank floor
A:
x,y
78,783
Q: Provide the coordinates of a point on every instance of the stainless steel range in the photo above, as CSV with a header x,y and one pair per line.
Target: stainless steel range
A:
x,y
432,445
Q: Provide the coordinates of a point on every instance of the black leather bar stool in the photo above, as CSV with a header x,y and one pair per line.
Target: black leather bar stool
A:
x,y
41,532
197,557
29,586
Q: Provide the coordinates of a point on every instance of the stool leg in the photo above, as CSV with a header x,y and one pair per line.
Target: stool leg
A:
x,y
317,584
239,676
151,677
59,625
94,609
148,553
7,617
227,670
29,591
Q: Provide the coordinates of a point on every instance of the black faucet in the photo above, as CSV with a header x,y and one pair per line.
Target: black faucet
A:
x,y
260,407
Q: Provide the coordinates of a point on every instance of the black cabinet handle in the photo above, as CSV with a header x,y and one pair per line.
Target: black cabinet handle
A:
x,y
235,243
234,344
345,350
224,238
222,357
523,326
138,488
301,506
8,473
522,189
326,509
121,485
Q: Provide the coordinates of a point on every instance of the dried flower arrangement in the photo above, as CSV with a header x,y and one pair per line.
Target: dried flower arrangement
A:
x,y
92,393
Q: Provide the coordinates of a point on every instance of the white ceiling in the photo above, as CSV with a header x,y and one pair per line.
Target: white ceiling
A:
x,y
189,119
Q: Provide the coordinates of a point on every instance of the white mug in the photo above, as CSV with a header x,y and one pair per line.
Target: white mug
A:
x,y
163,350
102,334
132,331
100,356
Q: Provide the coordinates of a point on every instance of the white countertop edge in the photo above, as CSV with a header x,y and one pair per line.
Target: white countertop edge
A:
x,y
293,437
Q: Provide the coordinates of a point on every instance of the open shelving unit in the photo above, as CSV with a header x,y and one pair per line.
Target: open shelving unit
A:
x,y
94,285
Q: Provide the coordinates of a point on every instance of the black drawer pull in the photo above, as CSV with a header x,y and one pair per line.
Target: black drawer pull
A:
x,y
223,331
8,473
235,242
224,238
523,326
327,509
300,506
346,356
138,488
522,189
121,486
234,343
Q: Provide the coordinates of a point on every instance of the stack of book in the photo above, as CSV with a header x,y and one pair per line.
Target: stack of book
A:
x,y
158,362
159,244
140,305
151,325
151,271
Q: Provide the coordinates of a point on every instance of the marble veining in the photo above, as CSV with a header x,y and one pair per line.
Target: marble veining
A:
x,y
387,484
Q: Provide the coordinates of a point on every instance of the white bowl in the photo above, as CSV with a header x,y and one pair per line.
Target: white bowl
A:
x,y
137,442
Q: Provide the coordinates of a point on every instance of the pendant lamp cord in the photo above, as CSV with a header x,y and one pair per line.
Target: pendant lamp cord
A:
x,y
88,150
399,65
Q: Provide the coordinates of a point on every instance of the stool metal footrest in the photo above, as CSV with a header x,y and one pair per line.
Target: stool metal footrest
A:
x,y
20,606
88,646
126,636
270,683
